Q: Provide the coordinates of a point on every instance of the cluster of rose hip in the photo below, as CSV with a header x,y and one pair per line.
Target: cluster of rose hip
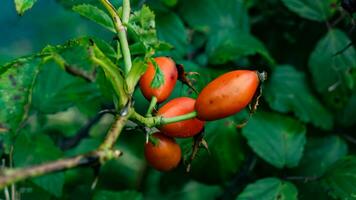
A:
x,y
224,96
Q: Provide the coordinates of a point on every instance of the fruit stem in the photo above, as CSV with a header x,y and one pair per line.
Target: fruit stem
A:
x,y
159,120
151,107
178,118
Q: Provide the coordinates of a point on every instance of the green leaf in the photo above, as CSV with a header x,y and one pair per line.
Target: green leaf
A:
x,y
225,156
51,96
16,83
42,150
23,5
210,15
318,10
75,54
269,189
169,3
142,28
340,179
138,68
95,14
33,191
277,139
330,72
311,190
229,45
320,153
109,195
347,116
158,79
170,28
113,74
287,91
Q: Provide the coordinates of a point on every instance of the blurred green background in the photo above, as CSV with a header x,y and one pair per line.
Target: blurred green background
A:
x,y
48,22
304,126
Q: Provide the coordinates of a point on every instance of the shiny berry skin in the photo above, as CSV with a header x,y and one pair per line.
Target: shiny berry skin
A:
x,y
227,94
165,155
169,70
176,107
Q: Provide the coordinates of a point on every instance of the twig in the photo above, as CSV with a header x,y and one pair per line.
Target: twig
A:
x,y
105,151
349,138
114,132
13,186
6,189
72,70
80,73
101,155
10,176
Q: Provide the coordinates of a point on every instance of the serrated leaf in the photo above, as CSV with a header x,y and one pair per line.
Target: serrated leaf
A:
x,y
23,5
142,28
95,14
109,195
318,10
277,139
319,154
287,91
329,71
16,83
42,150
229,45
225,156
211,15
269,189
340,179
158,79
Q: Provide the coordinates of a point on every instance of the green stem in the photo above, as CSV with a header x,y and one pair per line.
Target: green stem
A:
x,y
121,31
179,118
125,51
146,121
152,106
114,132
159,120
126,11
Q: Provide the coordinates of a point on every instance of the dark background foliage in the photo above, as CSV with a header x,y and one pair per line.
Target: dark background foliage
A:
x,y
299,144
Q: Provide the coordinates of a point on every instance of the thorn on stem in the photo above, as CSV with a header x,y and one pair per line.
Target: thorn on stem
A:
x,y
198,142
182,76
